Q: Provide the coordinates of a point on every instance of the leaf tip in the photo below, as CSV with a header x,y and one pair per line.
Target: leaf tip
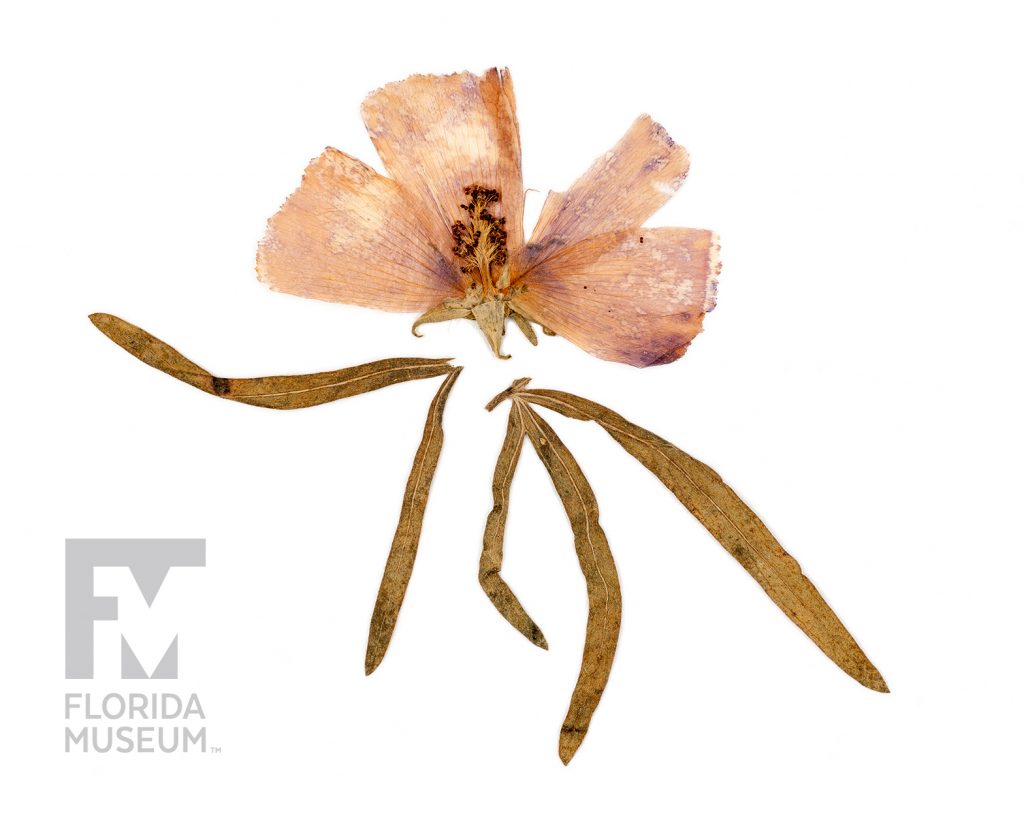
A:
x,y
449,382
371,663
516,386
875,682
568,743
102,320
536,636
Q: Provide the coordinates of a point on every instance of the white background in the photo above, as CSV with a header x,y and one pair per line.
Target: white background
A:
x,y
858,385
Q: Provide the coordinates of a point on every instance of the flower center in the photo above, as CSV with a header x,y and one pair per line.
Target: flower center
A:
x,y
481,241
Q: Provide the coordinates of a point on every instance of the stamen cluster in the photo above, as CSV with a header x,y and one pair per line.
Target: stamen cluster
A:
x,y
480,239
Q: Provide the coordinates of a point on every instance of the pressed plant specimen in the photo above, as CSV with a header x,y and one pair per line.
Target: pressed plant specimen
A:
x,y
443,236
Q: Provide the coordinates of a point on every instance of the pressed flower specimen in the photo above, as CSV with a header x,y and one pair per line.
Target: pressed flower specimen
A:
x,y
443,234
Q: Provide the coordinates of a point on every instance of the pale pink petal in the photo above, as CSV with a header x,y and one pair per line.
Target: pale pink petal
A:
x,y
439,134
619,191
348,235
634,296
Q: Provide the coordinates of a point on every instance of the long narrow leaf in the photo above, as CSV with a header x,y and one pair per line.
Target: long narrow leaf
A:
x,y
273,392
733,524
398,569
603,595
491,556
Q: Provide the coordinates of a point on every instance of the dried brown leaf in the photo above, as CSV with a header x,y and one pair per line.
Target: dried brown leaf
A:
x,y
733,524
603,595
491,581
398,569
273,392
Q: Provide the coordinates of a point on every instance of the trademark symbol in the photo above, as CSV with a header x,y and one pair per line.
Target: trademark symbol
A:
x,y
215,749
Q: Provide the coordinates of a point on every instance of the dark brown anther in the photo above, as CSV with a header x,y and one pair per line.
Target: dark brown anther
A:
x,y
481,238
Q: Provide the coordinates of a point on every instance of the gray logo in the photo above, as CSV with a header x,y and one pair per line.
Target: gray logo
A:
x,y
149,561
